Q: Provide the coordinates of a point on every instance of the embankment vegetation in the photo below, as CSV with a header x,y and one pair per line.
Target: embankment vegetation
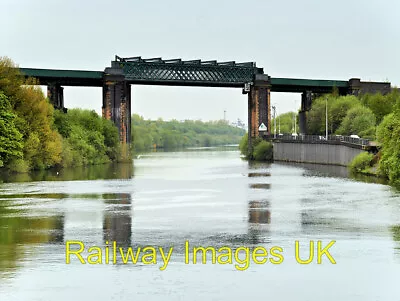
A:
x,y
285,123
88,139
371,116
34,136
347,115
362,163
351,115
160,134
261,151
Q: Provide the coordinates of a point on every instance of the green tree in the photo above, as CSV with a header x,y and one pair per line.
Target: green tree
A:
x,y
177,134
10,138
88,139
358,121
338,106
33,119
11,79
381,105
43,144
286,123
337,110
316,117
388,134
34,136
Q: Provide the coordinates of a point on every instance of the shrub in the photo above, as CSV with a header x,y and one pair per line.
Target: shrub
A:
x,y
263,151
388,135
244,145
88,139
361,162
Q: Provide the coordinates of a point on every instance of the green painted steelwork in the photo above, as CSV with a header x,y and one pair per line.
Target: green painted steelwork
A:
x,y
65,77
187,73
62,73
309,82
181,73
156,71
302,85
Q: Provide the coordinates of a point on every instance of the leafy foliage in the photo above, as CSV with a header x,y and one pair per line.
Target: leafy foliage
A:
x,y
244,145
88,139
29,138
361,162
32,117
147,134
263,151
337,110
286,123
43,144
338,107
10,78
359,120
10,138
388,133
380,105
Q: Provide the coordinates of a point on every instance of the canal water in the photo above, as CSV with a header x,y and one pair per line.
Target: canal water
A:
x,y
203,198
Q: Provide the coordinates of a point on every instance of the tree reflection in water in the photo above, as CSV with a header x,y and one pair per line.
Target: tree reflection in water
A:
x,y
20,233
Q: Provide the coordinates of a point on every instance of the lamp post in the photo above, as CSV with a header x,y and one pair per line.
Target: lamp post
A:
x,y
279,124
274,108
294,123
294,119
326,118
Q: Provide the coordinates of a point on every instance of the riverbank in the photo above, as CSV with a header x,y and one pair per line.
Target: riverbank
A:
x,y
35,136
173,134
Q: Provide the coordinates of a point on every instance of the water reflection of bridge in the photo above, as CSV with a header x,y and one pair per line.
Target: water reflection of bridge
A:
x,y
117,219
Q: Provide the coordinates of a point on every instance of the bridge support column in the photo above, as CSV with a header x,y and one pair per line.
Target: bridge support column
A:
x,y
117,108
306,102
55,93
259,108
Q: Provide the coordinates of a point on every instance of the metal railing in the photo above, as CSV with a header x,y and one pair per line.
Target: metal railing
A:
x,y
318,139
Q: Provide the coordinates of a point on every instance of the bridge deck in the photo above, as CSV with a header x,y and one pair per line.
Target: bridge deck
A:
x,y
95,79
301,85
66,77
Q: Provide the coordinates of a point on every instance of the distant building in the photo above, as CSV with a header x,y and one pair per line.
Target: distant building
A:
x,y
240,124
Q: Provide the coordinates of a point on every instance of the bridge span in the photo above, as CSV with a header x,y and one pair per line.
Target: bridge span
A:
x,y
117,79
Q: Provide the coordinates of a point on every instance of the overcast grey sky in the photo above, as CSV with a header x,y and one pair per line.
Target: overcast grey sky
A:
x,y
306,39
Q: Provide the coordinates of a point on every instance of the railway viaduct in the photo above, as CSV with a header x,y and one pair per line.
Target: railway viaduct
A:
x,y
117,79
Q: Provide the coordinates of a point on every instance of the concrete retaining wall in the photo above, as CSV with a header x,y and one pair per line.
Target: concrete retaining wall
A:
x,y
319,153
